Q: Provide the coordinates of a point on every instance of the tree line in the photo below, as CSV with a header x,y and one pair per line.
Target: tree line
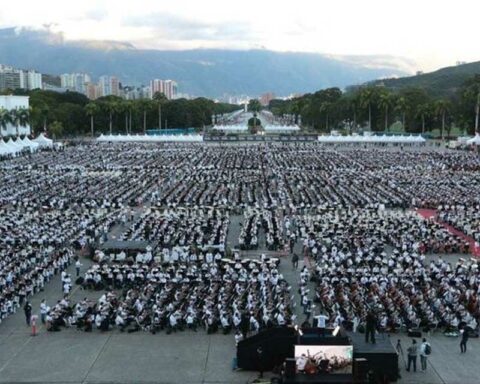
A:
x,y
17,117
73,114
376,108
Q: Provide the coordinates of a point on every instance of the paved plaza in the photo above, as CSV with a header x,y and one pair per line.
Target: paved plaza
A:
x,y
72,356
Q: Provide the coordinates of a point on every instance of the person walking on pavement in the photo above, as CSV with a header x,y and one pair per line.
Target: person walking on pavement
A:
x,y
78,265
425,350
464,340
412,352
295,261
260,362
28,312
43,311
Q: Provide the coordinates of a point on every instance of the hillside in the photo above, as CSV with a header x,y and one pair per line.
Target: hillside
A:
x,y
443,82
205,72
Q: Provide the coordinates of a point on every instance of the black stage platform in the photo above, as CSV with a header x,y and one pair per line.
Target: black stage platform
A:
x,y
278,344
382,357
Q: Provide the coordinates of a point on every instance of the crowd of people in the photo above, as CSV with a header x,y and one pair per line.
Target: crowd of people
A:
x,y
464,218
202,227
254,220
370,260
215,295
351,208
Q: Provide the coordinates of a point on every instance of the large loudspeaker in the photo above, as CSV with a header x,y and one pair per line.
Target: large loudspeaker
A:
x,y
360,370
414,333
290,367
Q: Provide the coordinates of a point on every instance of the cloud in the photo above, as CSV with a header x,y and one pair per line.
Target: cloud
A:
x,y
170,26
96,14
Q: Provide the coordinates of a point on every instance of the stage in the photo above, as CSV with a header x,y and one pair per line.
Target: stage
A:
x,y
278,344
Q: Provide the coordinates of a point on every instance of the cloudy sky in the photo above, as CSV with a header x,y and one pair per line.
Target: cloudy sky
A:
x,y
433,33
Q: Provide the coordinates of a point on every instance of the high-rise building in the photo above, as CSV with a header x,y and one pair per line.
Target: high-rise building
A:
x,y
33,79
92,91
109,85
266,98
13,78
167,87
75,82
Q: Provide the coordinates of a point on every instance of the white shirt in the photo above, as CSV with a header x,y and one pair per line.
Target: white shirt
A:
x,y
321,321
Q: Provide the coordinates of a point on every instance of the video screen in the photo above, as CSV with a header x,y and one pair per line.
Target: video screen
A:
x,y
332,359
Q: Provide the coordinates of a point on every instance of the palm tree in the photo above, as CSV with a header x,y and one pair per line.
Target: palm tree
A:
x,y
159,99
326,107
112,107
477,111
367,97
44,111
424,111
23,117
442,107
131,107
145,105
5,120
402,107
91,109
124,108
386,101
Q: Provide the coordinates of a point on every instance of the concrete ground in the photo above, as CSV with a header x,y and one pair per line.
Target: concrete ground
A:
x,y
75,357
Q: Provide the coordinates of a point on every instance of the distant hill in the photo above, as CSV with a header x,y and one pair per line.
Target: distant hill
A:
x,y
443,82
205,72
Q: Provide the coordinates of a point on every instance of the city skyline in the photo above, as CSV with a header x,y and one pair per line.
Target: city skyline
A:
x,y
373,28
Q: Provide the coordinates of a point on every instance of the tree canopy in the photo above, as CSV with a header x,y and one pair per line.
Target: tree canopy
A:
x,y
76,114
377,108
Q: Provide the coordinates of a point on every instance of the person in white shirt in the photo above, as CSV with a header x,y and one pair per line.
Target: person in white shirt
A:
x,y
78,265
301,363
423,354
43,311
321,320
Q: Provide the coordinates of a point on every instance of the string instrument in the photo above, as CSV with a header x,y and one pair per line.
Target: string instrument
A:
x,y
310,367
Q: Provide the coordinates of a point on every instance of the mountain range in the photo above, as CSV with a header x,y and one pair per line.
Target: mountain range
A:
x,y
443,82
199,72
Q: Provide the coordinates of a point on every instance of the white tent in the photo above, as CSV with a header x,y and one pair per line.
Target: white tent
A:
x,y
282,128
6,149
474,140
33,146
372,139
15,144
230,128
43,141
150,139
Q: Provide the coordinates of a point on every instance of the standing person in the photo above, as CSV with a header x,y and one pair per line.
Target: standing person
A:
x,y
370,326
425,350
295,261
28,312
412,356
43,311
321,320
78,265
260,362
463,341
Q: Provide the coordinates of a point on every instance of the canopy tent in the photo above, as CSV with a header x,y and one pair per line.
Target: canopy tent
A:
x,y
474,140
282,128
150,139
28,143
230,128
372,139
6,149
43,141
